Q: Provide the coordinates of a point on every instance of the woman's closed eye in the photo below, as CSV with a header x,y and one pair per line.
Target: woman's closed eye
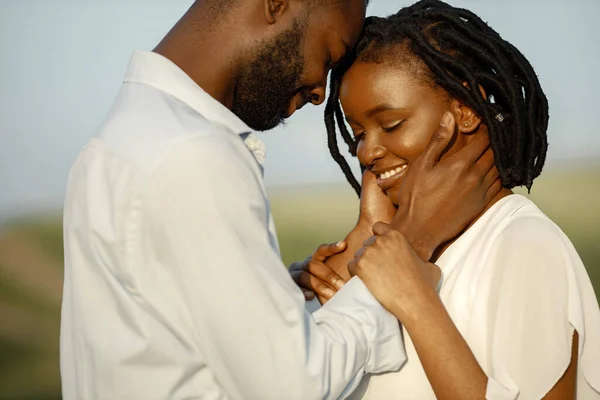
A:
x,y
393,126
358,136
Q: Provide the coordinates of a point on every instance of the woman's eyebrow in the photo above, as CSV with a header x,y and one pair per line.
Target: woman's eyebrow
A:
x,y
380,108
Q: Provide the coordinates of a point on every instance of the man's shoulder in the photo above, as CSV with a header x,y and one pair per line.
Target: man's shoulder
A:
x,y
146,126
148,133
216,155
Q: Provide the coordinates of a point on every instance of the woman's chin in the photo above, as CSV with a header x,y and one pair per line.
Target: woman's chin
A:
x,y
393,194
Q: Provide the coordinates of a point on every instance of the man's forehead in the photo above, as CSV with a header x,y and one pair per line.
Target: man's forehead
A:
x,y
349,17
339,6
337,26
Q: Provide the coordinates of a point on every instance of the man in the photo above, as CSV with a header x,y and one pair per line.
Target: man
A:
x,y
174,287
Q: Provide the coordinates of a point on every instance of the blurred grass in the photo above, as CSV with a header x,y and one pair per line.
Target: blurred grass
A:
x,y
306,219
31,264
30,290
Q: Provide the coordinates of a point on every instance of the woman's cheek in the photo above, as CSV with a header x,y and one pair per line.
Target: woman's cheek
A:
x,y
408,144
359,153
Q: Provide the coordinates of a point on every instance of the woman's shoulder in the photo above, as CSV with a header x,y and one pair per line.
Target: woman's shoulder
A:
x,y
513,227
526,245
519,223
535,289
515,239
527,214
511,233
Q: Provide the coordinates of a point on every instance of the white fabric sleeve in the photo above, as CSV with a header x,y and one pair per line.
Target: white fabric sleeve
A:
x,y
541,295
207,222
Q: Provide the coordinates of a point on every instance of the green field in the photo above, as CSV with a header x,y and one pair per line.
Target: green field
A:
x,y
31,264
570,198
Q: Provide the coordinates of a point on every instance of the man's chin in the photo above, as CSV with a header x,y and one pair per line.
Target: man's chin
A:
x,y
263,126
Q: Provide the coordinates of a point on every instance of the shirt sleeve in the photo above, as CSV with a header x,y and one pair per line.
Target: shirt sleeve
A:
x,y
208,247
536,303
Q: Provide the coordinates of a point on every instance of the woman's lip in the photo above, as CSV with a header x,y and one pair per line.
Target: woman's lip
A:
x,y
386,183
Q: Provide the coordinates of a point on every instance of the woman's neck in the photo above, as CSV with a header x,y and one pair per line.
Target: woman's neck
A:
x,y
442,248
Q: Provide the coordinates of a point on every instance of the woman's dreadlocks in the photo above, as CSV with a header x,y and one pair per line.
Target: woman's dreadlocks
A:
x,y
457,47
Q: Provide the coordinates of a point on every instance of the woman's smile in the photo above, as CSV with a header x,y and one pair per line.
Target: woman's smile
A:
x,y
390,177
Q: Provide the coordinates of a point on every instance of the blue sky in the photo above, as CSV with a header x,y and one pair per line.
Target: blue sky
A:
x,y
62,62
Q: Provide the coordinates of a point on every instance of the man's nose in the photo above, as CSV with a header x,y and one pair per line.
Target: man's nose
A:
x,y
317,95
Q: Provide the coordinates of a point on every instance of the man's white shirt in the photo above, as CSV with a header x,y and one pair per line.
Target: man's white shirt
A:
x,y
174,286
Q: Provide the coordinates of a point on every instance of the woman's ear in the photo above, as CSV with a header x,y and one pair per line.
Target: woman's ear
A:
x,y
467,121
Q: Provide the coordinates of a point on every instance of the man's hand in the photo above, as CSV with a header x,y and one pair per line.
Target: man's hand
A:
x,y
439,198
313,276
397,277
375,205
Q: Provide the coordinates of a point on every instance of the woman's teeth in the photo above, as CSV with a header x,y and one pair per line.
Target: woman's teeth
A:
x,y
389,174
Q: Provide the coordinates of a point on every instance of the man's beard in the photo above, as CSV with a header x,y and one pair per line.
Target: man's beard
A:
x,y
268,81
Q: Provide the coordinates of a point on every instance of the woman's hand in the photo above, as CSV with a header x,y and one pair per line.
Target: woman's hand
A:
x,y
405,285
375,205
394,273
314,276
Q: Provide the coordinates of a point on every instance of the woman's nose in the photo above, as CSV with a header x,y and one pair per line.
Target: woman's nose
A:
x,y
372,150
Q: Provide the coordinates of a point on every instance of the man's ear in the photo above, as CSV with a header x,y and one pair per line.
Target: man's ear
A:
x,y
274,9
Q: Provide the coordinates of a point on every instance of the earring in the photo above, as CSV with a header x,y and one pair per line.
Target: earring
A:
x,y
466,124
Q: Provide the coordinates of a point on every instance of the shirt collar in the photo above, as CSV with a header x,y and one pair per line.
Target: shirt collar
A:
x,y
152,69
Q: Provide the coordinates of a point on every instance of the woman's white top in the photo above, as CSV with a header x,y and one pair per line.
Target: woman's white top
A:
x,y
516,290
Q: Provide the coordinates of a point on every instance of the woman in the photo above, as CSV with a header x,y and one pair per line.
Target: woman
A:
x,y
516,315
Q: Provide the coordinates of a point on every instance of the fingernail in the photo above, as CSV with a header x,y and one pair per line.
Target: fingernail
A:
x,y
446,119
328,293
340,244
339,283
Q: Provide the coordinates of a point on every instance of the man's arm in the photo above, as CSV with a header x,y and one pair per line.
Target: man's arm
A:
x,y
207,223
441,195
